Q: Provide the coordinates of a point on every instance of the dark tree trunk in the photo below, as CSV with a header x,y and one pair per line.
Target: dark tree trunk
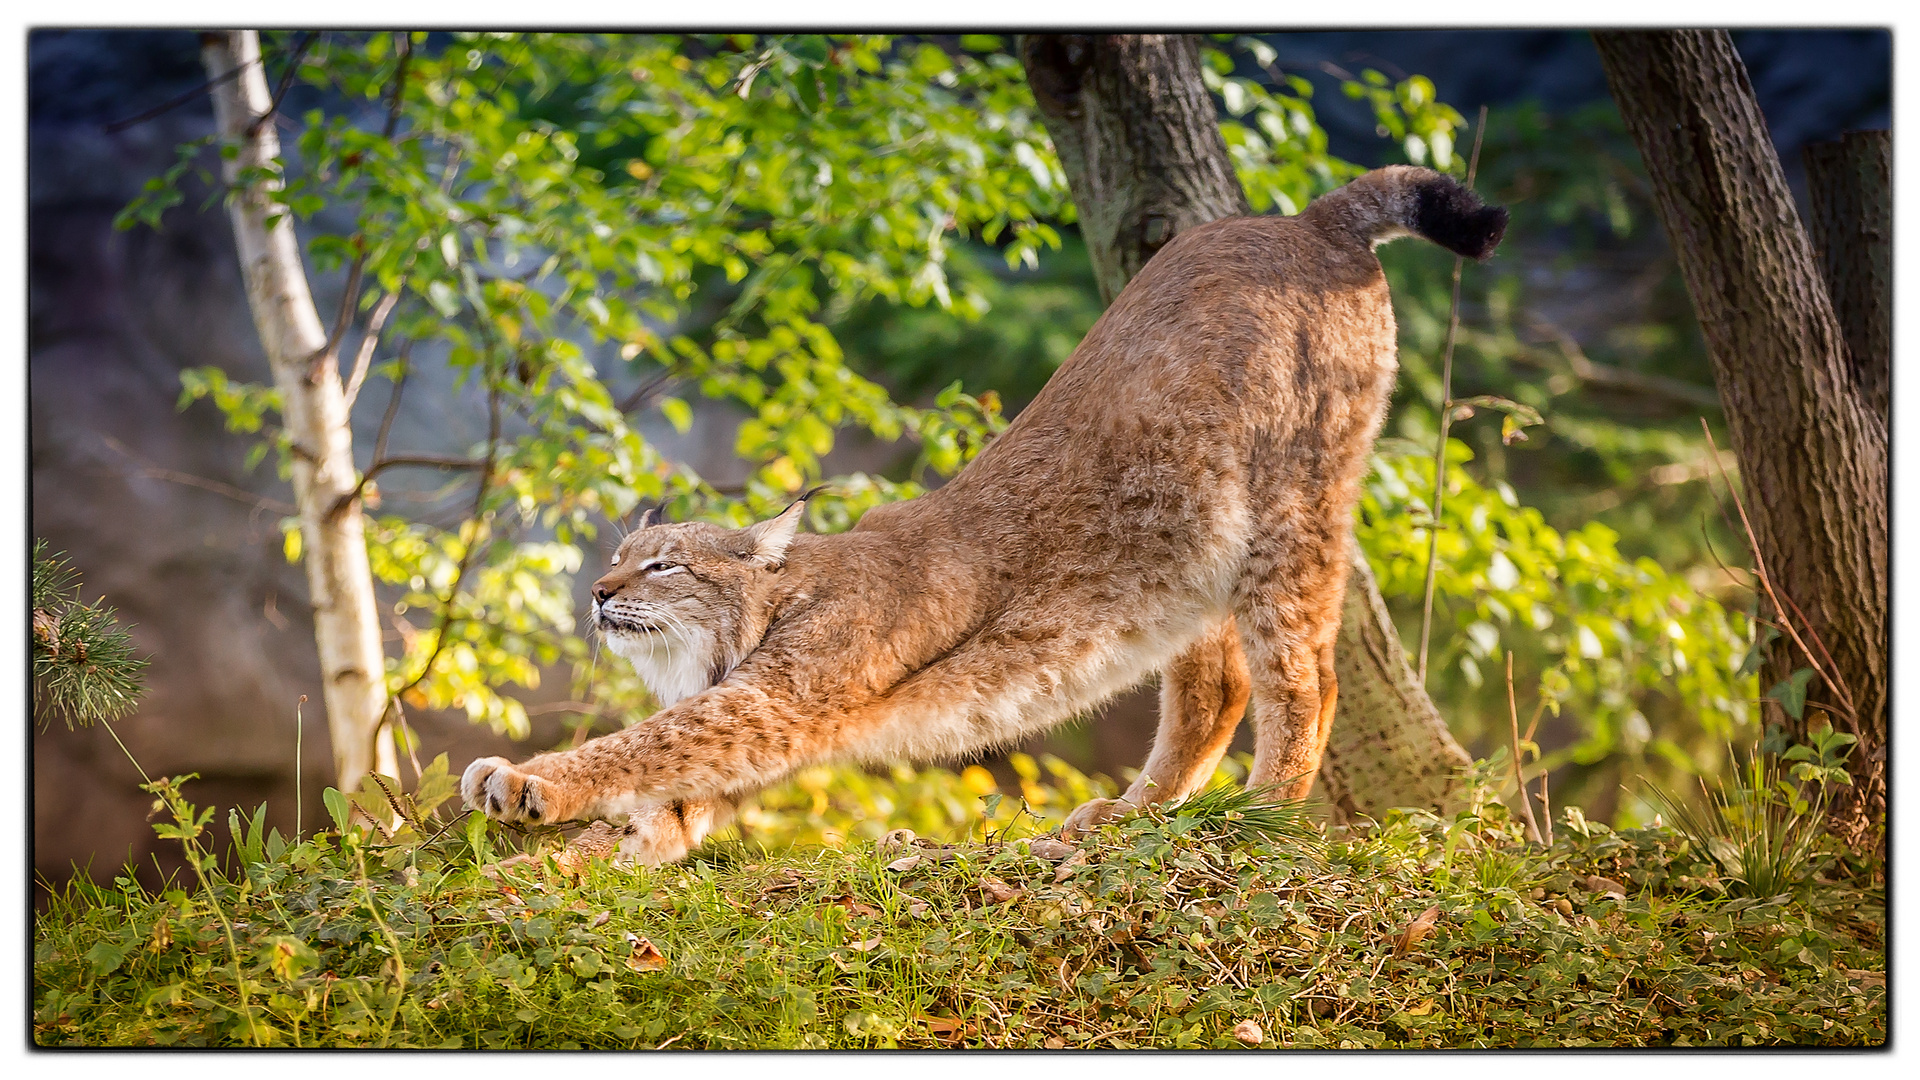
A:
x,y
1807,428
1138,136
1850,186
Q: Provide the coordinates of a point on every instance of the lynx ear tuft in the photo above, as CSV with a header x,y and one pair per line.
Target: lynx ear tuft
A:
x,y
767,541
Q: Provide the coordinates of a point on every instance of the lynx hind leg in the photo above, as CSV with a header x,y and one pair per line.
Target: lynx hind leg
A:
x,y
1202,696
666,832
1288,632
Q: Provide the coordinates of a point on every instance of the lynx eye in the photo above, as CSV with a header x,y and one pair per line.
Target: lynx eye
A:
x,y
659,568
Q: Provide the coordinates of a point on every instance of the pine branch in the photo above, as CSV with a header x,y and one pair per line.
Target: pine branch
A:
x,y
84,667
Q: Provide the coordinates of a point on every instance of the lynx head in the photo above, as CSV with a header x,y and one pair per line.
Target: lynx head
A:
x,y
684,603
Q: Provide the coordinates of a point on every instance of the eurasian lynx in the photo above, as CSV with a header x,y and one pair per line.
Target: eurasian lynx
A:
x,y
1178,499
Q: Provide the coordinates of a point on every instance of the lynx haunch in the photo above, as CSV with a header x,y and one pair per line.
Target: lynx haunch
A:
x,y
1177,499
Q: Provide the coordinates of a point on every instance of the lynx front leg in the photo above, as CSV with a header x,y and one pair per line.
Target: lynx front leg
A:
x,y
1202,696
666,832
726,740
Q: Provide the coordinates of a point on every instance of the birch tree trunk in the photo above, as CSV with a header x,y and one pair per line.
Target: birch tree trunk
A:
x,y
1136,131
1807,419
346,623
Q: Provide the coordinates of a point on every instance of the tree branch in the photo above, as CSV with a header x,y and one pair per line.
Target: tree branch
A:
x,y
368,342
286,80
466,556
201,482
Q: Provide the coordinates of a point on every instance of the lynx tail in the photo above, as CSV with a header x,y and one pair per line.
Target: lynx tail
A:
x,y
1403,200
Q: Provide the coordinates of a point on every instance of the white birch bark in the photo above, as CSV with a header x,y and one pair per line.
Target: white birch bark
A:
x,y
346,622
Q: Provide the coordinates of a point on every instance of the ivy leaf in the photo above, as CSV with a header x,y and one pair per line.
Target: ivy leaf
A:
x,y
1791,692
1758,654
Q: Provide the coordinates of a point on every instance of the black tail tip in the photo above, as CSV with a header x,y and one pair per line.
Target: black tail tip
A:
x,y
1446,213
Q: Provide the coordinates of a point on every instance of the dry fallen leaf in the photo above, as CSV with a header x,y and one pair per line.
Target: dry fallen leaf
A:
x,y
645,957
998,891
1050,849
1417,929
856,907
1606,886
1055,1042
1247,1031
945,1028
897,840
868,945
901,866
787,879
1074,862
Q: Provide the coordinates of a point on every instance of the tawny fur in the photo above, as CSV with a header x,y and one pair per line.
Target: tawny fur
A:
x,y
1177,499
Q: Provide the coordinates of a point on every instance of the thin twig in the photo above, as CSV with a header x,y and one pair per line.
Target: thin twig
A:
x,y
402,461
466,555
647,389
399,85
406,736
1513,716
1766,582
286,80
299,730
175,102
349,299
368,342
1446,421
201,482
393,402
1546,808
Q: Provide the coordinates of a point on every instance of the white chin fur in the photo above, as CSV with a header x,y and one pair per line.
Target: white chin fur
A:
x,y
672,667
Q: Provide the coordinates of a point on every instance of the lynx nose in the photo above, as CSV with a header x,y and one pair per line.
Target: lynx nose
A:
x,y
601,594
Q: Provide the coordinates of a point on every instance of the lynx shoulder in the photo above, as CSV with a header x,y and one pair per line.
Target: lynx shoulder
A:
x,y
1177,499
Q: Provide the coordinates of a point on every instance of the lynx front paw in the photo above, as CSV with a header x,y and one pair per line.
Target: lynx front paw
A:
x,y
495,788
1092,814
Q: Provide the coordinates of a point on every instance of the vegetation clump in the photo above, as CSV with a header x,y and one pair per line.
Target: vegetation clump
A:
x,y
1170,929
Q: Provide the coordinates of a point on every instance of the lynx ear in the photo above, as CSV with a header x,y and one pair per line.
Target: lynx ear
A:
x,y
652,517
767,541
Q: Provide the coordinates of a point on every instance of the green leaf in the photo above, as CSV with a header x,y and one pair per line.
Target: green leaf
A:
x,y
338,808
678,413
1791,692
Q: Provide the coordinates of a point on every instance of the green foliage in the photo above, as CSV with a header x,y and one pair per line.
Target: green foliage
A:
x,y
1760,826
552,212
841,804
1166,929
1613,641
84,667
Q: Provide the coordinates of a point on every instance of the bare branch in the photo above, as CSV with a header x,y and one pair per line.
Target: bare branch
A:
x,y
286,80
367,344
399,85
237,494
645,393
174,102
1446,421
1619,378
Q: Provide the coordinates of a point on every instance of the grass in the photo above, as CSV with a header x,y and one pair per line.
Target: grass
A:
x,y
1166,930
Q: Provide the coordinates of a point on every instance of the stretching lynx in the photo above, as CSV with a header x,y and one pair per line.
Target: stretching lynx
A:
x,y
1177,499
